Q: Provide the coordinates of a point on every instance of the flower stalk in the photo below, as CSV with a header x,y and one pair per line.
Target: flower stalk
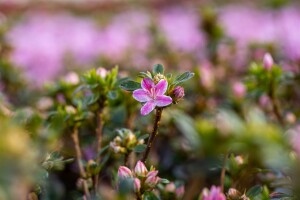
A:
x,y
153,134
82,172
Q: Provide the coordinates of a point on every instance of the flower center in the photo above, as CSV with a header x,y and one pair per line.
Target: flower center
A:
x,y
152,93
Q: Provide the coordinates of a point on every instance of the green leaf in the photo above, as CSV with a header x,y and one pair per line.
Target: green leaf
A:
x,y
103,149
164,181
158,69
254,191
142,137
183,77
139,148
150,196
112,95
130,85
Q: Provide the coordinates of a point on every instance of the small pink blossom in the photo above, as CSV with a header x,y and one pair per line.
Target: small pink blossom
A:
x,y
268,61
214,194
178,92
124,172
140,169
179,191
152,94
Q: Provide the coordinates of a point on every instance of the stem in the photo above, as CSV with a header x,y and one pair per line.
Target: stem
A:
x,y
153,134
75,139
223,171
99,140
126,157
275,105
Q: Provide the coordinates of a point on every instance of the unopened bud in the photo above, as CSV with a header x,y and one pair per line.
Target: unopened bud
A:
x,y
70,110
178,93
136,185
158,77
101,72
124,172
170,187
140,169
234,194
239,90
179,192
152,179
268,61
44,103
91,167
72,78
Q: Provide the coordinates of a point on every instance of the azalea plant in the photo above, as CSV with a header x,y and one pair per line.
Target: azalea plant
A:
x,y
85,116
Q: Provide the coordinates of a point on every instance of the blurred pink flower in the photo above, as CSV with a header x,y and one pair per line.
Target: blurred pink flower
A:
x,y
214,194
152,94
239,90
181,29
268,61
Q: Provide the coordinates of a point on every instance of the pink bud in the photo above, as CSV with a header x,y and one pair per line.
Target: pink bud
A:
x,y
268,61
239,90
140,169
136,185
178,92
124,172
72,78
101,72
180,191
152,179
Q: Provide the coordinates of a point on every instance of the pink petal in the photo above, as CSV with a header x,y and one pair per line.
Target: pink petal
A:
x,y
148,107
161,87
163,100
147,84
141,95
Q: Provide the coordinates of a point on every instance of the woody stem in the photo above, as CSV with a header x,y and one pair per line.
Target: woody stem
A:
x,y
153,133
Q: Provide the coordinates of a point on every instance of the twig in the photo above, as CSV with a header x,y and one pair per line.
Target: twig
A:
x,y
275,105
82,172
126,157
153,134
99,141
223,171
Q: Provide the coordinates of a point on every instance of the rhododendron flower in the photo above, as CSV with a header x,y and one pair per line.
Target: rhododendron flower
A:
x,y
152,94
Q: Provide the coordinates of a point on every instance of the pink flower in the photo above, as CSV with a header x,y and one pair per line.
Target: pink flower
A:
x,y
179,191
136,185
214,194
268,61
239,90
124,172
152,94
140,169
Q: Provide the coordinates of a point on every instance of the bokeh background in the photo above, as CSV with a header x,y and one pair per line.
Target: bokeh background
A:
x,y
41,42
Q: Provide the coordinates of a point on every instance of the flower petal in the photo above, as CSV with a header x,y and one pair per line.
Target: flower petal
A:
x,y
147,84
161,87
163,100
141,95
148,107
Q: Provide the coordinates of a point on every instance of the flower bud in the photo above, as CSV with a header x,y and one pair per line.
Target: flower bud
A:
x,y
101,72
70,110
233,194
136,185
170,187
124,172
72,78
179,192
91,167
152,179
44,103
140,169
158,77
268,61
178,93
239,90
